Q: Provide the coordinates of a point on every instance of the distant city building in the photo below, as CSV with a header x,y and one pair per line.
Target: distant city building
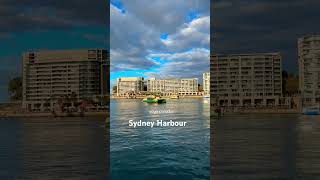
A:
x,y
52,76
206,83
309,68
184,86
127,85
246,79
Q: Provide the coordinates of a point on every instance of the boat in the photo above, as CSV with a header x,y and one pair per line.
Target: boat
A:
x,y
206,97
174,97
153,99
311,110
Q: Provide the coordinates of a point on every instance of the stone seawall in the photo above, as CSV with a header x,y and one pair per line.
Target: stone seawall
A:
x,y
259,111
8,114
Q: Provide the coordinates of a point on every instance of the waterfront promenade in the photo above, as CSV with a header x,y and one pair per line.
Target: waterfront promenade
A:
x,y
258,110
11,114
15,110
167,97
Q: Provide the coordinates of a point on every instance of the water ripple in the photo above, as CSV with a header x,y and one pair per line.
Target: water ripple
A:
x,y
160,152
266,147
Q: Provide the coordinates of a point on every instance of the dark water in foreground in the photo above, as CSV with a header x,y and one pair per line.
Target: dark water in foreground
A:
x,y
45,149
261,147
160,153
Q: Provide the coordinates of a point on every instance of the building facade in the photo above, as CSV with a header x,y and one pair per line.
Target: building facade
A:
x,y
309,68
206,83
185,86
246,79
129,85
52,76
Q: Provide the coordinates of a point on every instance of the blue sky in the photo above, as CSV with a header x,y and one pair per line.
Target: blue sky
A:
x,y
161,39
48,25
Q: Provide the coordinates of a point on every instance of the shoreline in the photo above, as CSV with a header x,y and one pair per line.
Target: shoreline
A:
x,y
259,112
50,115
288,111
247,113
167,97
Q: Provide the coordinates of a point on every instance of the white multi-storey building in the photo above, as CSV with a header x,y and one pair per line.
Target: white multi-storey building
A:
x,y
246,79
185,86
206,83
309,68
49,76
127,85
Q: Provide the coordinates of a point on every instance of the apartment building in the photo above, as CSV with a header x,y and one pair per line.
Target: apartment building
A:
x,y
184,86
127,85
309,68
206,83
246,79
52,76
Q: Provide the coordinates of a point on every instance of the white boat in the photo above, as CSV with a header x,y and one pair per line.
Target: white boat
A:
x,y
206,96
174,97
311,110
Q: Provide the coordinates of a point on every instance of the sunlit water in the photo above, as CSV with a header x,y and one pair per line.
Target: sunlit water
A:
x,y
160,153
53,148
284,147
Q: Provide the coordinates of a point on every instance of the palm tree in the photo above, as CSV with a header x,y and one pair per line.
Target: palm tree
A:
x,y
15,88
74,99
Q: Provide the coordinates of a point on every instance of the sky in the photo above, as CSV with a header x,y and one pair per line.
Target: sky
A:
x,y
28,25
159,38
246,26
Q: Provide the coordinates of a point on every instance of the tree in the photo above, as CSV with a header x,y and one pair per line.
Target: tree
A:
x,y
200,88
74,99
15,89
284,81
114,89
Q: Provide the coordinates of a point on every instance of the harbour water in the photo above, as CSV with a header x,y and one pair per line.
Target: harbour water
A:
x,y
251,147
53,148
158,153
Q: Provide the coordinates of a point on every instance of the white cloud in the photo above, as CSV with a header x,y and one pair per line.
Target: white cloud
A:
x,y
129,41
165,15
135,35
185,64
193,34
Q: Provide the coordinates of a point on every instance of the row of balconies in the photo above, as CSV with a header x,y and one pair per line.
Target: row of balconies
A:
x,y
75,74
55,92
247,90
76,79
65,86
246,64
66,68
246,94
245,86
233,72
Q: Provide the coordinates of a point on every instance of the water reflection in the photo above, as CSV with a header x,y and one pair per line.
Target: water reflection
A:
x,y
53,148
266,147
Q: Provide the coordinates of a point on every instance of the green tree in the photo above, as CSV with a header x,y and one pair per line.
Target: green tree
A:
x,y
285,76
114,89
15,89
74,99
